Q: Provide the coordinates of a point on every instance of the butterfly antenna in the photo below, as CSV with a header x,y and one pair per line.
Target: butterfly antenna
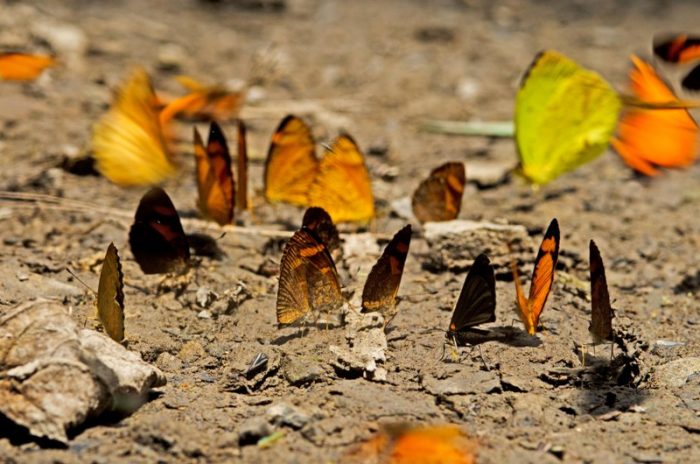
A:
x,y
79,280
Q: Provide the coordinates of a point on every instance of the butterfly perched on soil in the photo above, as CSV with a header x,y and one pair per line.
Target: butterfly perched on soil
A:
x,y
564,117
128,142
648,138
382,284
601,311
477,301
110,295
530,308
242,168
206,102
215,181
320,223
291,165
15,66
156,237
439,197
681,49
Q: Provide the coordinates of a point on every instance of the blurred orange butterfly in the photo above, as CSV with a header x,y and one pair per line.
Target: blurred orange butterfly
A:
x,y
530,308
291,163
439,197
647,138
128,142
681,48
405,444
207,102
23,66
342,186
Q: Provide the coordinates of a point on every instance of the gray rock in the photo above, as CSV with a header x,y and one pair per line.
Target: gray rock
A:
x,y
677,373
301,371
252,430
205,297
284,414
464,383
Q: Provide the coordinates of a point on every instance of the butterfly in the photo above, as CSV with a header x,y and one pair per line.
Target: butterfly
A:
x,y
681,48
291,164
320,223
530,308
110,295
207,102
308,281
382,284
564,117
128,142
439,197
647,138
16,66
410,444
156,237
342,185
215,181
242,168
477,301
601,310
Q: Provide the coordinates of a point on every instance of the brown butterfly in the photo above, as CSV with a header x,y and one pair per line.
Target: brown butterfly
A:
x,y
291,165
382,285
681,48
215,181
530,308
15,66
156,237
439,197
477,301
320,223
110,295
308,282
242,168
601,310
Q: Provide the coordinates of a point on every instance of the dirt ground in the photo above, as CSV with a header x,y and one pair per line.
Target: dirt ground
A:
x,y
375,69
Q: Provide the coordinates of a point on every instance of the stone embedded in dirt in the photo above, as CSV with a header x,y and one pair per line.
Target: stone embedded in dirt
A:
x,y
488,174
284,414
171,56
54,375
455,244
677,373
168,363
476,382
205,297
252,430
298,371
191,351
366,346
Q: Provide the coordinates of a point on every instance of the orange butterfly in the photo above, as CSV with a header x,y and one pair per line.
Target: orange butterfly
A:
x,y
405,444
647,138
681,49
530,308
291,164
23,66
129,144
214,177
439,197
342,186
213,102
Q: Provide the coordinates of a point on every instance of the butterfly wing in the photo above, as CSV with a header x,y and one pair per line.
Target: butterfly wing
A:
x,y
308,279
601,310
692,80
564,117
242,168
214,177
23,66
647,138
342,186
204,102
320,223
681,48
291,163
156,237
382,285
477,301
543,275
439,197
110,295
128,142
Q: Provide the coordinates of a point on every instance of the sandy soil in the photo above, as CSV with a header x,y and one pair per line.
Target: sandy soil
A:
x,y
375,69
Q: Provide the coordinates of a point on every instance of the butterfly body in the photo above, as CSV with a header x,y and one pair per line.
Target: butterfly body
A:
x,y
110,295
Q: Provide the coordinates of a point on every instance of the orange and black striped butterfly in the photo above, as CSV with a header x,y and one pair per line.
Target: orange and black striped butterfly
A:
x,y
439,197
291,165
681,48
308,280
320,223
477,301
110,295
342,186
214,177
156,237
530,308
382,284
15,66
601,310
242,168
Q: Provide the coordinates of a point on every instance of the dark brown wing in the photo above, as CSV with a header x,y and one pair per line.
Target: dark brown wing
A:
x,y
242,164
692,80
110,295
317,220
439,197
680,48
156,237
308,279
477,300
601,311
382,285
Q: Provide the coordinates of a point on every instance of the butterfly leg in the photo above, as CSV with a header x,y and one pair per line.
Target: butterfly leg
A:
x,y
483,360
584,349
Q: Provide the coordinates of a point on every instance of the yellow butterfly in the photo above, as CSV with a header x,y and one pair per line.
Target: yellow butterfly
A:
x,y
128,142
